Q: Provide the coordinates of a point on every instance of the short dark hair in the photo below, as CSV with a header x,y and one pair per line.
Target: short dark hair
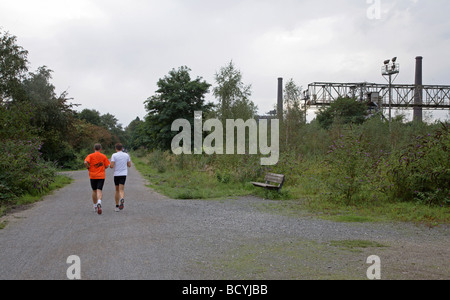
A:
x,y
97,147
119,146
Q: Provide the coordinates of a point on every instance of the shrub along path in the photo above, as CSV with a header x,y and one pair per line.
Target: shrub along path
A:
x,y
160,238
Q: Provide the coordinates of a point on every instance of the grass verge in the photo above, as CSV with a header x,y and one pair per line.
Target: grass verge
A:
x,y
356,245
188,184
30,198
430,216
306,197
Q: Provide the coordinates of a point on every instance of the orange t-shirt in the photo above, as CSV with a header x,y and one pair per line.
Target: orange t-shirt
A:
x,y
98,163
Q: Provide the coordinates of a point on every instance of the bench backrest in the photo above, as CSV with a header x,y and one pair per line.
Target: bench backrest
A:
x,y
274,178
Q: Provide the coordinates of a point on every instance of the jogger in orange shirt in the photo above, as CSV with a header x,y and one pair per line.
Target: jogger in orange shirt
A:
x,y
97,163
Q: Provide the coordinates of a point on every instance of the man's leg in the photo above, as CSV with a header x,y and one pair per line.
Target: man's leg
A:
x,y
94,191
117,195
94,196
99,195
99,201
100,183
122,191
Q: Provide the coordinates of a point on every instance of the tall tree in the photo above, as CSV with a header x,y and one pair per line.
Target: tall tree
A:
x,y
233,95
136,134
178,96
106,121
294,116
91,116
13,67
53,115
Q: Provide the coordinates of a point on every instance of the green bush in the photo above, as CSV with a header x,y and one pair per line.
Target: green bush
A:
x,y
342,111
352,167
158,161
420,172
23,169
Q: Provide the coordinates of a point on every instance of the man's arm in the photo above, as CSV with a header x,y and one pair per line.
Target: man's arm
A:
x,y
87,162
107,163
112,165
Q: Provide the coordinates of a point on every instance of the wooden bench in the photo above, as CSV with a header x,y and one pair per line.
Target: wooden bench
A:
x,y
273,182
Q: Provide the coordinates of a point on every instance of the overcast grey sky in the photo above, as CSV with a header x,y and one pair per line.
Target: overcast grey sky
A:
x,y
109,54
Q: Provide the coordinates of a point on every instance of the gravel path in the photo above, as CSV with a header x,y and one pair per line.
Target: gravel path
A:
x,y
160,238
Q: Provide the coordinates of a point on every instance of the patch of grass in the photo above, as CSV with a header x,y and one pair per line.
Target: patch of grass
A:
x,y
386,212
3,224
353,219
378,212
188,184
356,245
30,198
284,194
416,213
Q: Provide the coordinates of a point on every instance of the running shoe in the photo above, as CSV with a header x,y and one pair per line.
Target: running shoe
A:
x,y
99,209
117,209
122,204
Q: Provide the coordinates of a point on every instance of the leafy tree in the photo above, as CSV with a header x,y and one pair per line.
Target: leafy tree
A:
x,y
13,67
343,111
106,121
87,134
91,116
136,133
23,167
233,95
110,122
294,116
178,96
53,115
15,121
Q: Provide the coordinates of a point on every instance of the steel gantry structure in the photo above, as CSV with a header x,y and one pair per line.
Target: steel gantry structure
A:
x,y
433,96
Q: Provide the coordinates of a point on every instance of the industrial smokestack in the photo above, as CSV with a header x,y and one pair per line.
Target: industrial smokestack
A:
x,y
418,94
280,99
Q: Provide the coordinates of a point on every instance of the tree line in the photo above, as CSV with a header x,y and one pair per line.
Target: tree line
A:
x,y
179,95
41,131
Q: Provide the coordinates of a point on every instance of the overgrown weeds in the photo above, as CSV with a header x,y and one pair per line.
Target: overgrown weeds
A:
x,y
351,172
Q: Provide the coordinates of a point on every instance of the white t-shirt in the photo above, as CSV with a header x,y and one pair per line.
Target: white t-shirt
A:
x,y
120,160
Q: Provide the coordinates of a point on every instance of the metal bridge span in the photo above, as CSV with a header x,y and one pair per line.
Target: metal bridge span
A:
x,y
403,95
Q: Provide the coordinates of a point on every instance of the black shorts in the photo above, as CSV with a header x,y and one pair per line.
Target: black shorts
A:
x,y
97,184
120,180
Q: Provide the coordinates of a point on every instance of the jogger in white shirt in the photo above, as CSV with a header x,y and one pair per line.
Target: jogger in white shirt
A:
x,y
120,162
